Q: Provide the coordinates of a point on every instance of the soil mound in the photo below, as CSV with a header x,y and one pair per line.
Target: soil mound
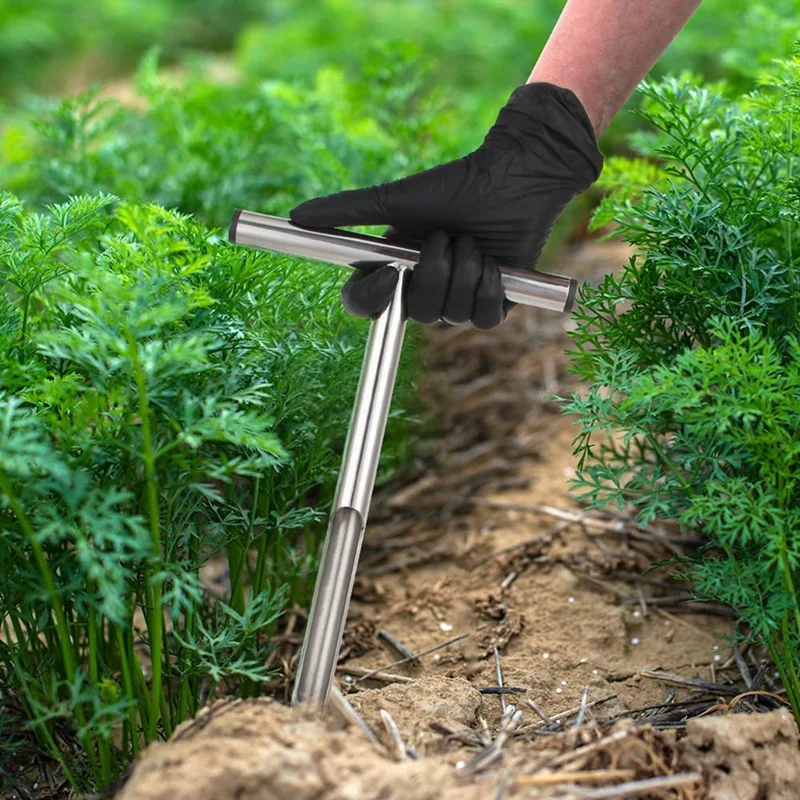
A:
x,y
747,757
262,750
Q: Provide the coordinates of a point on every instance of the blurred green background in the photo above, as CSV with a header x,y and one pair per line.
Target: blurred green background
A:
x,y
262,102
488,45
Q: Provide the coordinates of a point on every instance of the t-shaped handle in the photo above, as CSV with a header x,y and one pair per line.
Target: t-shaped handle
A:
x,y
334,246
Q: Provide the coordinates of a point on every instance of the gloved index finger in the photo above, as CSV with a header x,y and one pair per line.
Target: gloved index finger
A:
x,y
353,207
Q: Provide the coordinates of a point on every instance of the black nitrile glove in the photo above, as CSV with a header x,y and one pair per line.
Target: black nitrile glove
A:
x,y
498,204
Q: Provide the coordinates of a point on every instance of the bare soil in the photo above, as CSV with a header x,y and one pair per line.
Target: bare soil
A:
x,y
621,687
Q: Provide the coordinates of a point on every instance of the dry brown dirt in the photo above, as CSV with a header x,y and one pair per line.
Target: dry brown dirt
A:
x,y
263,750
481,539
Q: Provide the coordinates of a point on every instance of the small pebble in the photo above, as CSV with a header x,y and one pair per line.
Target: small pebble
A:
x,y
582,661
445,627
637,613
563,683
348,678
459,765
436,657
717,657
594,672
558,691
635,640
571,599
545,655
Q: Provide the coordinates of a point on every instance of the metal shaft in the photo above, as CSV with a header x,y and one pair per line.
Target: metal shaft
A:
x,y
342,546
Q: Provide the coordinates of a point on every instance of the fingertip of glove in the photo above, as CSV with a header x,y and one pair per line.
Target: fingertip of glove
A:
x,y
304,214
366,295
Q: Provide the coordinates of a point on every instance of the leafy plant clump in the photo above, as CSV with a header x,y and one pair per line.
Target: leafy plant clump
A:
x,y
693,353
166,402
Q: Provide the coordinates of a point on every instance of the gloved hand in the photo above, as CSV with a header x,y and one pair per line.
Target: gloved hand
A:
x,y
496,205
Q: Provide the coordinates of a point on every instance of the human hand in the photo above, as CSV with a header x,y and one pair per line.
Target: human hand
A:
x,y
494,206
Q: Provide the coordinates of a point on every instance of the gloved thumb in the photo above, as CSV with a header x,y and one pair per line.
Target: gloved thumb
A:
x,y
354,207
368,293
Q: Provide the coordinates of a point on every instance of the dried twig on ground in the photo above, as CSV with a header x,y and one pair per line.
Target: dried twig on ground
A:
x,y
491,752
641,788
540,712
398,646
361,673
340,704
693,683
499,671
397,749
364,674
582,711
587,776
554,724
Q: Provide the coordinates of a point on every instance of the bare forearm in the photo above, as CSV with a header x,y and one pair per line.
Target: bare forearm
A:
x,y
601,49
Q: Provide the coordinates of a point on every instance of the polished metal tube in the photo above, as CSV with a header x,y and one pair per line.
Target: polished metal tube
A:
x,y
529,287
339,562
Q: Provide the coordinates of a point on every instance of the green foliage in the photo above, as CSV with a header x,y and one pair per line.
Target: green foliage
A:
x,y
734,39
166,400
207,148
692,352
475,51
105,37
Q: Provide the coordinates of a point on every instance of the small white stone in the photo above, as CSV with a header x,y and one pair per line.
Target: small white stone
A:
x,y
545,655
635,640
717,657
715,647
582,661
459,765
558,691
436,657
563,683
637,613
348,678
594,672
571,599
445,627
35,786
667,622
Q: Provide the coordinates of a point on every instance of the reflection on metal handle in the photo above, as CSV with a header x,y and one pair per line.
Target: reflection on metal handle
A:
x,y
554,292
337,569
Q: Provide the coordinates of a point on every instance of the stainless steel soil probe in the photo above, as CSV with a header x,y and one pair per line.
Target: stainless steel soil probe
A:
x,y
337,569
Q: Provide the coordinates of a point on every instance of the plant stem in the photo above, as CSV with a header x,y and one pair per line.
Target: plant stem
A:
x,y
127,682
65,642
55,751
140,685
155,619
94,678
67,652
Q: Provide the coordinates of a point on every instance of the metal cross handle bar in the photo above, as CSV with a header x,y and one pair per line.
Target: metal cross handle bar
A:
x,y
339,560
531,288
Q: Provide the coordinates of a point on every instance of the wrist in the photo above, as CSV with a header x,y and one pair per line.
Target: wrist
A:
x,y
588,97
